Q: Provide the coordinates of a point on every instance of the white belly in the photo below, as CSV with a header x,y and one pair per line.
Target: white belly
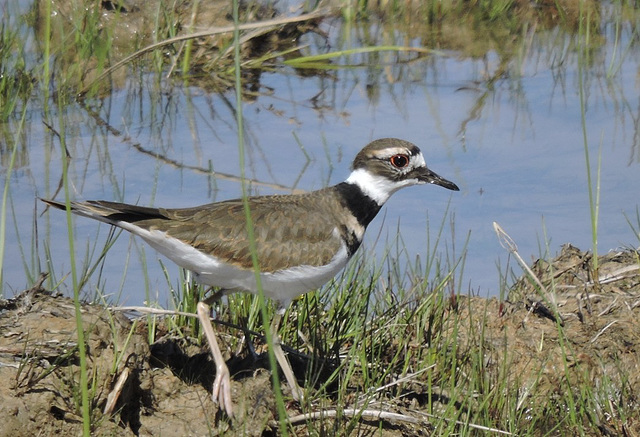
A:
x,y
283,285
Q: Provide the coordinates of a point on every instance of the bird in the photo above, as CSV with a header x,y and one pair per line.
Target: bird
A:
x,y
301,241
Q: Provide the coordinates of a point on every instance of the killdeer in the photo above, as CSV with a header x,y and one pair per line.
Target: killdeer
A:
x,y
301,240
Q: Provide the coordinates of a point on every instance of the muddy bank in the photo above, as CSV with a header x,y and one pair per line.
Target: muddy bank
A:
x,y
589,339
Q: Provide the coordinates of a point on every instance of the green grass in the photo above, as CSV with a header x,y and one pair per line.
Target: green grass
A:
x,y
16,81
593,187
635,226
15,144
82,398
262,304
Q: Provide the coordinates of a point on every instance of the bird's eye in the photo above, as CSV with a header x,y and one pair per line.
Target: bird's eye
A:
x,y
399,161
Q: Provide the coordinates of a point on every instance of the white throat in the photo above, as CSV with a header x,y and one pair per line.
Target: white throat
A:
x,y
375,186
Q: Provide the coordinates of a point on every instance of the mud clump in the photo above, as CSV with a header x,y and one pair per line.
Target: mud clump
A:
x,y
579,332
136,389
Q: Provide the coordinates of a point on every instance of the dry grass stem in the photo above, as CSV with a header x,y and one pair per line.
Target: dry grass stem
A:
x,y
507,242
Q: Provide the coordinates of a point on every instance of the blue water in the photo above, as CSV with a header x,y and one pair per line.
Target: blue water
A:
x,y
519,159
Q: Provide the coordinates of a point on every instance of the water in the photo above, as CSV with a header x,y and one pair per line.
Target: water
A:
x,y
515,148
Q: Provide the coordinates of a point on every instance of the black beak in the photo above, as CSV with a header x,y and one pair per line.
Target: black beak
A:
x,y
430,177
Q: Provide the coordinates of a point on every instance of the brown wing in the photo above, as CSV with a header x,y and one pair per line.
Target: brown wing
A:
x,y
287,229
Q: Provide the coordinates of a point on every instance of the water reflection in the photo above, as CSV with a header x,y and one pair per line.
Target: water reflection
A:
x,y
509,130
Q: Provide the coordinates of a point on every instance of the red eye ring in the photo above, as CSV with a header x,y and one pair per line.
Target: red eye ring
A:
x,y
399,161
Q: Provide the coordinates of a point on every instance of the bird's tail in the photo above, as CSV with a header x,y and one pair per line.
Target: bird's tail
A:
x,y
113,213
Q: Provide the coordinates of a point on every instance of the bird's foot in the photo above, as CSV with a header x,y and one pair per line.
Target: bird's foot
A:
x,y
221,392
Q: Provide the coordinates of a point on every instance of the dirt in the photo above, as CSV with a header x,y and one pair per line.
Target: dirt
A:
x,y
597,344
165,386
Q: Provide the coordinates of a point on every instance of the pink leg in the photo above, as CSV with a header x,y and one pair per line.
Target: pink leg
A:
x,y
221,392
283,362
